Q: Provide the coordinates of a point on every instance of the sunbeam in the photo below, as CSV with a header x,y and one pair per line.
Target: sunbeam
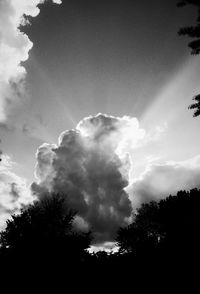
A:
x,y
172,103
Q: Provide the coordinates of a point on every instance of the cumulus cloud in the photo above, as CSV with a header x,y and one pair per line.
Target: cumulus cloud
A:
x,y
14,193
14,48
161,180
89,165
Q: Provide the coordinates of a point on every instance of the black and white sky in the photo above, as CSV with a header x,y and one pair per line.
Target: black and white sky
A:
x,y
123,59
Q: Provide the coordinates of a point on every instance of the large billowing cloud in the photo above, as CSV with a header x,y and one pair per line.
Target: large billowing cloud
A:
x,y
161,180
14,47
89,165
14,193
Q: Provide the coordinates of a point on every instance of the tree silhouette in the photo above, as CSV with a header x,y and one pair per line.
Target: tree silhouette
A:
x,y
143,234
41,240
43,233
196,105
169,228
194,33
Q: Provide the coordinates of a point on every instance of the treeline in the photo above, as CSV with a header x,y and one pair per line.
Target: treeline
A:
x,y
162,242
163,234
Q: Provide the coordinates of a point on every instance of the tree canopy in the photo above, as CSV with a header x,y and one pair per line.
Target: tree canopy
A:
x,y
42,240
170,227
44,231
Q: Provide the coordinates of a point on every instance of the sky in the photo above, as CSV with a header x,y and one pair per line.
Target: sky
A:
x,y
120,79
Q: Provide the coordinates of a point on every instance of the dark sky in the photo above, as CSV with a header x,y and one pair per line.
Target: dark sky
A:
x,y
110,43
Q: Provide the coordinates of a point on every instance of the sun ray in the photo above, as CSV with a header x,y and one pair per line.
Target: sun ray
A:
x,y
175,97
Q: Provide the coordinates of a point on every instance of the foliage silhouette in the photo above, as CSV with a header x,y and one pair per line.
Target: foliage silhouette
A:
x,y
194,33
163,235
161,243
196,105
166,231
43,235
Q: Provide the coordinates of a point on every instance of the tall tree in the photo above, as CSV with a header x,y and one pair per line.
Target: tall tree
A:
x,y
44,232
171,225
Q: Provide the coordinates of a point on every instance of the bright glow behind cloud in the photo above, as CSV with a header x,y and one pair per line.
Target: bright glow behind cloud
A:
x,y
116,132
14,47
91,167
